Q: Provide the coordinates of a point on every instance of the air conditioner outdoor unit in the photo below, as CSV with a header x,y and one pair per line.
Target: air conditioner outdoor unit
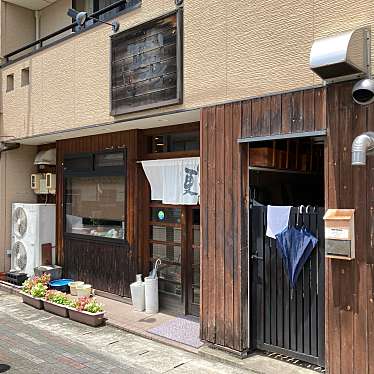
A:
x,y
32,226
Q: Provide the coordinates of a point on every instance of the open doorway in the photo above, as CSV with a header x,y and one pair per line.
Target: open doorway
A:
x,y
287,318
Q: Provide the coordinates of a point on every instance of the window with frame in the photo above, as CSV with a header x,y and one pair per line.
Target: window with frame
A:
x,y
95,195
173,142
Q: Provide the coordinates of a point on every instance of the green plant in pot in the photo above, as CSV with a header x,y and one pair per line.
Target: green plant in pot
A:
x,y
39,290
88,311
27,286
30,283
93,307
88,304
58,297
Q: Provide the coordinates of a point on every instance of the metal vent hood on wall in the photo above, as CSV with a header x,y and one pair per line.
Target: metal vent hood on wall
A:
x,y
342,55
47,157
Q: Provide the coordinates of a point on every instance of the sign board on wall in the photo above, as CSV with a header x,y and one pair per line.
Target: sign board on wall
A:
x,y
147,65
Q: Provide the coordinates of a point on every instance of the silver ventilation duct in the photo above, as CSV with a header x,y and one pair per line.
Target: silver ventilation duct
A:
x,y
361,146
47,157
342,55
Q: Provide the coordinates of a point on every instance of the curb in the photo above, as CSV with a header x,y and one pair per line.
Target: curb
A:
x,y
10,288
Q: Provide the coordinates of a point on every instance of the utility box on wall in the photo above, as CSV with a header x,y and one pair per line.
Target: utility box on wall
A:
x,y
340,234
43,183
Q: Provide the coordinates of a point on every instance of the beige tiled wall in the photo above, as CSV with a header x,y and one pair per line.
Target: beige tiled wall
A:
x,y
15,169
231,51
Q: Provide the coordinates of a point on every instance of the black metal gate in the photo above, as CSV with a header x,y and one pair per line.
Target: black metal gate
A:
x,y
286,321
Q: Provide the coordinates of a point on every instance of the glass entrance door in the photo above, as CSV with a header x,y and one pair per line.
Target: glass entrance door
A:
x,y
174,238
166,243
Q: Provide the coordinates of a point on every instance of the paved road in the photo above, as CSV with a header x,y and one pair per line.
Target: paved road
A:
x,y
33,341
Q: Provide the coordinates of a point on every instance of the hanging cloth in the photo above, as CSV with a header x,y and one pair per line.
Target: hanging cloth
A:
x,y
174,181
152,170
277,219
296,245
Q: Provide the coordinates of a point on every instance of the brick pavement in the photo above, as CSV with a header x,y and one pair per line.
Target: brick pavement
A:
x,y
33,341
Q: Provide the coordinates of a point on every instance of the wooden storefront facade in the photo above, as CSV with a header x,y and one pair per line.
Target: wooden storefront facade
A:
x,y
111,265
225,261
224,216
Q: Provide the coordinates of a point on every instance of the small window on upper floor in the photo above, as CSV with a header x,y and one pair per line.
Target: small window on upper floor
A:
x,y
9,82
173,142
25,77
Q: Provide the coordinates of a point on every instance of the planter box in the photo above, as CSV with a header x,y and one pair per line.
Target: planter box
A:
x,y
33,301
90,319
60,310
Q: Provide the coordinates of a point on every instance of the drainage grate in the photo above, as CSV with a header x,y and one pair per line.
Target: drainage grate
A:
x,y
294,361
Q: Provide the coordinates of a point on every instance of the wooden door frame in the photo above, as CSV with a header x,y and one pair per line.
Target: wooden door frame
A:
x,y
190,307
145,200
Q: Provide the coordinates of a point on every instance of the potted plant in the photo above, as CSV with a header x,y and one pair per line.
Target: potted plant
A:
x,y
88,311
57,302
34,290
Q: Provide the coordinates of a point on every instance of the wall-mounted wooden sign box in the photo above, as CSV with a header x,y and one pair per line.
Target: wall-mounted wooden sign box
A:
x,y
340,234
147,65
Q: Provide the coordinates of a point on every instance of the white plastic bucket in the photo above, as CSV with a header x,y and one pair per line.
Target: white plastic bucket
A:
x,y
138,294
151,295
73,287
84,290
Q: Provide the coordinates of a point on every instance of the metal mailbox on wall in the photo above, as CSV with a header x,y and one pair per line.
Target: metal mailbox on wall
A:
x,y
340,233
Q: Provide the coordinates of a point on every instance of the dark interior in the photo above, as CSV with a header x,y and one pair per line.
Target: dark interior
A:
x,y
287,172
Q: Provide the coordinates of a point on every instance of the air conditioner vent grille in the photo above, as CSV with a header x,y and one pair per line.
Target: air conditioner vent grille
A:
x,y
19,222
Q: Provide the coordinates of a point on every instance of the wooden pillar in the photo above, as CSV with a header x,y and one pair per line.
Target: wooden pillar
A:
x,y
223,228
349,284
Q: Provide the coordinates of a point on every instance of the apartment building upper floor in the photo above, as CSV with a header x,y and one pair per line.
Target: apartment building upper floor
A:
x,y
181,56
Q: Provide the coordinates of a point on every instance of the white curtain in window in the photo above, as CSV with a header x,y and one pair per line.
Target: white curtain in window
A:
x,y
174,181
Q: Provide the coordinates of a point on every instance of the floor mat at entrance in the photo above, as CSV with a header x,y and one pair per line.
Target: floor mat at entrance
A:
x,y
183,330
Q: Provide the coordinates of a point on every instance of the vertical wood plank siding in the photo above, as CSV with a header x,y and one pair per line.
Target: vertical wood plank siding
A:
x,y
349,309
292,112
224,201
224,238
349,284
116,264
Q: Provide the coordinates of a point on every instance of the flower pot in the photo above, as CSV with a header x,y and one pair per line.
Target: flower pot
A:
x,y
60,310
73,287
91,319
60,285
84,290
36,302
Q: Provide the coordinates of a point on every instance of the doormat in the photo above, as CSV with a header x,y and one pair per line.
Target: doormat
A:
x,y
185,330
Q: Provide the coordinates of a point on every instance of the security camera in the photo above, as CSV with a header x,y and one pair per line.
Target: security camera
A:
x,y
363,92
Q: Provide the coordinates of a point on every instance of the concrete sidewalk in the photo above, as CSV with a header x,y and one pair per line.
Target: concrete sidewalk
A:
x,y
33,341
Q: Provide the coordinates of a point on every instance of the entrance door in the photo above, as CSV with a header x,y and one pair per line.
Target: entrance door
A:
x,y
175,239
284,320
193,258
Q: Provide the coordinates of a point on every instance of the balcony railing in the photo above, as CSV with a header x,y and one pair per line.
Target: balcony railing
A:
x,y
37,44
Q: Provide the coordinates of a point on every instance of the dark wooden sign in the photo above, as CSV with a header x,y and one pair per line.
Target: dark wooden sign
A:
x,y
147,65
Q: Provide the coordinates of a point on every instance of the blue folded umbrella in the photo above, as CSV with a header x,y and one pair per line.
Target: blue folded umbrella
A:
x,y
296,245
